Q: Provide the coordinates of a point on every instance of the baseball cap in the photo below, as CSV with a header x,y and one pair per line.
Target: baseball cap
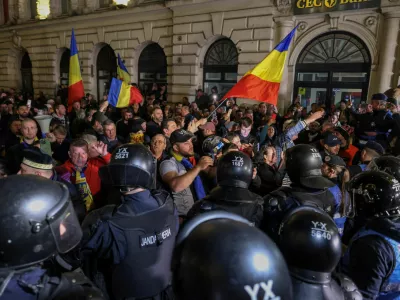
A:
x,y
334,160
332,140
375,146
379,96
180,136
208,126
229,125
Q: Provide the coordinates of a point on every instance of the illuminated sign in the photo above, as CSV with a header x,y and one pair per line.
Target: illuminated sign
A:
x,y
317,6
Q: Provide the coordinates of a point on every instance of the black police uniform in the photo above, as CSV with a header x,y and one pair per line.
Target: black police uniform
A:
x,y
133,242
234,175
310,242
372,258
219,255
303,164
46,227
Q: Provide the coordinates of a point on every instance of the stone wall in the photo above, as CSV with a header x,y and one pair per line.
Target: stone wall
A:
x,y
185,29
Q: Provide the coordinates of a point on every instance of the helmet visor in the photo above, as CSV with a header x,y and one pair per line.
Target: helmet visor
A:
x,y
66,229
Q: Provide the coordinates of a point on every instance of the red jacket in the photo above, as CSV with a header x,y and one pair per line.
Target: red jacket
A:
x,y
91,173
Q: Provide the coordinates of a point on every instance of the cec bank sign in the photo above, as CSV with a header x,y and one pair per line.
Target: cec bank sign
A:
x,y
320,6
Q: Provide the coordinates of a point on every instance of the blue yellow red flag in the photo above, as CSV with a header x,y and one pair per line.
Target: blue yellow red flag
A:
x,y
122,71
263,81
122,94
75,83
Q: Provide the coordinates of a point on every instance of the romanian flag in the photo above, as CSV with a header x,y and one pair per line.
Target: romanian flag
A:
x,y
262,83
75,84
123,73
122,94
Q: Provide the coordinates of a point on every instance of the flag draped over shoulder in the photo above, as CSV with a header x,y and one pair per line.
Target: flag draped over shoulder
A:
x,y
263,81
122,94
122,71
75,83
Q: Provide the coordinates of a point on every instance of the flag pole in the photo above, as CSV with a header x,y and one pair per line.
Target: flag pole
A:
x,y
219,105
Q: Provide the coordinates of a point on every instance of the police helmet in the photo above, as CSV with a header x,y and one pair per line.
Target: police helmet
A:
x,y
303,165
131,165
37,221
375,194
235,169
212,145
218,255
310,242
387,164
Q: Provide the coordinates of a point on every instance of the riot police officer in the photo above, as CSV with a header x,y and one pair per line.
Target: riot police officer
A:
x,y
387,164
372,257
38,223
310,242
136,239
308,187
234,175
219,255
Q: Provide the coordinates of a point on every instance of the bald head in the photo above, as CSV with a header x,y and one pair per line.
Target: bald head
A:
x,y
29,129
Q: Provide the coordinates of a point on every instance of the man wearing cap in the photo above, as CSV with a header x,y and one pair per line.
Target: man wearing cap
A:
x,y
370,151
333,168
37,163
331,145
374,126
181,171
208,129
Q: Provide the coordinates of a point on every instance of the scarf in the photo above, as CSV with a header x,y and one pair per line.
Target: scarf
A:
x,y
197,183
83,188
26,145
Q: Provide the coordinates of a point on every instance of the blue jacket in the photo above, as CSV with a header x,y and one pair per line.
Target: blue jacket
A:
x,y
372,259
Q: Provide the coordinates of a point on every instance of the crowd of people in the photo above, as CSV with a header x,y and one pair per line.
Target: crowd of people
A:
x,y
201,200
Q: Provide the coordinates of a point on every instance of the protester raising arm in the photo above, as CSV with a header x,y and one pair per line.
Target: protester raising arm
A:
x,y
179,183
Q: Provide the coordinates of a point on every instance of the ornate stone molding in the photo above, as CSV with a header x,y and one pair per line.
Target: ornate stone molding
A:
x,y
16,40
302,26
370,21
333,22
283,6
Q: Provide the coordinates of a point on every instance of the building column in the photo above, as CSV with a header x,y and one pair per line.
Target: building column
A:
x,y
283,26
387,57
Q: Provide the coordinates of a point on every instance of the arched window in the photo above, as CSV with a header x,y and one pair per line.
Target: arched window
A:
x,y
152,67
220,66
106,69
331,68
26,74
64,67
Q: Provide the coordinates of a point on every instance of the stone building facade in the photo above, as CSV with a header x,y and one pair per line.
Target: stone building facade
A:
x,y
185,30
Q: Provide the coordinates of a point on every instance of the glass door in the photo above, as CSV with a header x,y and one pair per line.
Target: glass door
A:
x,y
307,96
